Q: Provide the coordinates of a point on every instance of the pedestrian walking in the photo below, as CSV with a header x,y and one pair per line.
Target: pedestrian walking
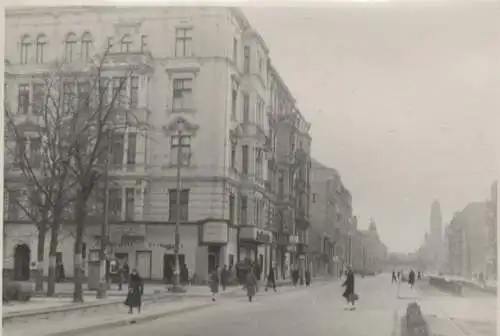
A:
x,y
394,279
251,284
224,277
135,292
271,281
411,278
308,277
419,275
214,282
295,276
349,293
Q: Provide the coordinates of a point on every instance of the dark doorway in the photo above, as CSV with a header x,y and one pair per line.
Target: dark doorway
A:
x,y
169,266
22,258
213,258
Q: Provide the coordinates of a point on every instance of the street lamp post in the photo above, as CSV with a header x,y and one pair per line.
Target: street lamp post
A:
x,y
176,287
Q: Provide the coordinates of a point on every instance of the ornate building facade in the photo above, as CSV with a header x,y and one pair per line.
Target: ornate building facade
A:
x,y
201,71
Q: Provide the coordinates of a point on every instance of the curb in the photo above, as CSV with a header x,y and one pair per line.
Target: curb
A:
x,y
122,323
71,308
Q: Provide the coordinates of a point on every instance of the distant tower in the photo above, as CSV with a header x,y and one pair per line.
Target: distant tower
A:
x,y
436,234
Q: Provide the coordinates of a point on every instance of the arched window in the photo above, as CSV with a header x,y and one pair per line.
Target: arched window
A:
x,y
26,44
126,43
41,42
70,47
86,45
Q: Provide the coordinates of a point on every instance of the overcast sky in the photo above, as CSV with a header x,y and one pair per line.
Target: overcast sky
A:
x,y
403,101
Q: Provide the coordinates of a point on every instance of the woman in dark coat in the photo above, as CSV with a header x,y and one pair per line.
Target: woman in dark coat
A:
x,y
135,292
411,278
349,288
251,284
214,283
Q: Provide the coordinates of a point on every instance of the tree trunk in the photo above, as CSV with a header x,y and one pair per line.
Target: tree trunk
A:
x,y
78,271
54,233
42,232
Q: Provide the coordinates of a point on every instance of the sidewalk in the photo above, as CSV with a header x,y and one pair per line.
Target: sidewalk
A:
x,y
76,324
450,315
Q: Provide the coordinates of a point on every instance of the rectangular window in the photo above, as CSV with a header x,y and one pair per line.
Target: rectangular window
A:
x,y
244,163
183,94
184,146
68,97
119,91
129,204
115,203
144,43
117,148
259,163
23,98
35,156
234,101
257,213
184,204
132,148
13,211
232,203
134,91
83,95
104,91
235,50
243,210
183,42
38,98
233,156
20,153
246,107
246,61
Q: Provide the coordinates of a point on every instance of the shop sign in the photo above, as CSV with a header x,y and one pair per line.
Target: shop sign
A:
x,y
263,237
255,234
215,233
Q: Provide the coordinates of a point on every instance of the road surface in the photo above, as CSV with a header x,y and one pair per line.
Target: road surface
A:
x,y
317,311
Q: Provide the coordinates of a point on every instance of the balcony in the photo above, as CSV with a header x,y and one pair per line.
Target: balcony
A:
x,y
142,62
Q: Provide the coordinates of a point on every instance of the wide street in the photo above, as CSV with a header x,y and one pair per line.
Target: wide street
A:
x,y
317,311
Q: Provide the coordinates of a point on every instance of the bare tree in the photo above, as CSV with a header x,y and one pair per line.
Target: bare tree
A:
x,y
97,119
83,110
37,166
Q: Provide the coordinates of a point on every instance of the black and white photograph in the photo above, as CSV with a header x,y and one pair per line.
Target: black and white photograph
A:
x,y
250,168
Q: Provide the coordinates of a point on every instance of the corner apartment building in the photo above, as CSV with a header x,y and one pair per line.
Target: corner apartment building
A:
x,y
202,70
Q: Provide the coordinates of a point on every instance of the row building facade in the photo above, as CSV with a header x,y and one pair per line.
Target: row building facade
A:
x,y
204,83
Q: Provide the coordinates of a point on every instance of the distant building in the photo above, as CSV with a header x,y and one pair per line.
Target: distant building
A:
x,y
467,241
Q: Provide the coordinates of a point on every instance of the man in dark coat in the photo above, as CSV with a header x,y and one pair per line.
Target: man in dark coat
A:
x,y
349,288
271,281
224,277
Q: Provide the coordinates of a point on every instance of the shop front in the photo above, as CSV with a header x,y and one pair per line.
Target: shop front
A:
x,y
214,236
255,246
